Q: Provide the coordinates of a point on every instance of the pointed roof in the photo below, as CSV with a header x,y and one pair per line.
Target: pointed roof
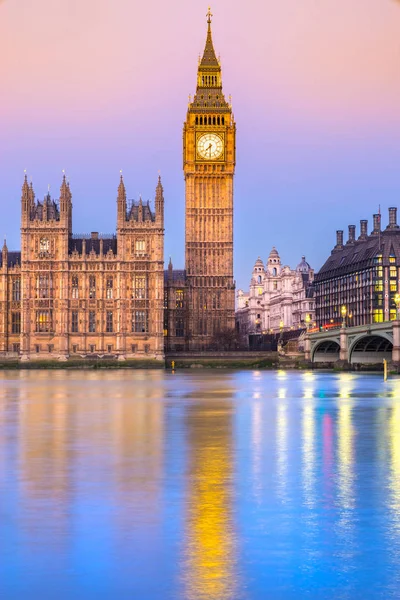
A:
x,y
121,188
209,94
209,57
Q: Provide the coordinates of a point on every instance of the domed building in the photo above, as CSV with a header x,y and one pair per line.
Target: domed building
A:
x,y
278,297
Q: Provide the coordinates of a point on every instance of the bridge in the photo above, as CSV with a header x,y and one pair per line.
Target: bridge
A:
x,y
365,344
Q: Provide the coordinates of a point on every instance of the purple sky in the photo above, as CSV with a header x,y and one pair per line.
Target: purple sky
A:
x,y
93,87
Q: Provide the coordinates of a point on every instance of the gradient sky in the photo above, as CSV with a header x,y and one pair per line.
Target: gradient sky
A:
x,y
93,87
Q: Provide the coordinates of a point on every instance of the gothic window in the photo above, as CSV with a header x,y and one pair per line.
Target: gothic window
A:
x,y
274,272
109,321
43,321
259,279
165,299
275,285
92,321
109,291
16,322
214,121
43,286
140,247
209,120
218,121
92,286
201,120
139,321
179,327
75,289
139,287
74,321
223,120
179,299
16,290
197,120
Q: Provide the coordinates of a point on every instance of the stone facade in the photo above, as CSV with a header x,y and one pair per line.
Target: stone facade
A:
x,y
278,298
209,135
361,275
65,295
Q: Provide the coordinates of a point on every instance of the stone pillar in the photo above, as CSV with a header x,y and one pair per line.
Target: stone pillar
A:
x,y
396,342
307,347
343,345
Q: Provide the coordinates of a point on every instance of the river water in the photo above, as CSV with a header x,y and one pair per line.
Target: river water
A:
x,y
211,485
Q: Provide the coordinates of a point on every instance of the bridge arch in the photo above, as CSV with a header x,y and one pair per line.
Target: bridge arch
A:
x,y
371,348
326,351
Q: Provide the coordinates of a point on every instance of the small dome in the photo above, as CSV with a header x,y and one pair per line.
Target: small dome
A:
x,y
303,266
259,265
274,256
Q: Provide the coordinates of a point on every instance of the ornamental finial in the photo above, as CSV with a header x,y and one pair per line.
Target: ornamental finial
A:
x,y
209,15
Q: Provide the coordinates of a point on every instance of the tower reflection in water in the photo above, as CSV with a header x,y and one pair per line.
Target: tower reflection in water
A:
x,y
209,555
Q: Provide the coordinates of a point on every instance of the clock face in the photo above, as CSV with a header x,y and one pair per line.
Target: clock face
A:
x,y
210,146
44,245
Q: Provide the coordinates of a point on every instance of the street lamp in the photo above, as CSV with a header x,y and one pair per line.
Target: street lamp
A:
x,y
343,312
308,321
397,302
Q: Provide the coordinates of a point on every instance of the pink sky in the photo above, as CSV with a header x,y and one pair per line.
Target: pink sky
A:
x,y
93,87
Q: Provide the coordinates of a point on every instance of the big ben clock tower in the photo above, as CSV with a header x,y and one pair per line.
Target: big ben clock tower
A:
x,y
209,164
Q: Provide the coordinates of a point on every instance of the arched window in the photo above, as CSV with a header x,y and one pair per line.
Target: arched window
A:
x,y
201,120
274,272
218,121
214,121
259,279
209,120
223,120
197,120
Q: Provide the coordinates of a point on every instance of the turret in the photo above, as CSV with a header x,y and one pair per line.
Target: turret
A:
x,y
159,202
66,204
121,203
140,210
26,202
4,255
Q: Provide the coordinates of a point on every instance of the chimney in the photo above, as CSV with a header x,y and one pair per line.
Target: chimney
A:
x,y
392,218
363,229
352,234
377,224
339,238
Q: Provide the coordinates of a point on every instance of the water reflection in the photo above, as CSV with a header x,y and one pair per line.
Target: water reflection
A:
x,y
217,486
209,563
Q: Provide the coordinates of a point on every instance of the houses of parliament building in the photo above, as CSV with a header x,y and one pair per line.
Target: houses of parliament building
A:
x,y
64,295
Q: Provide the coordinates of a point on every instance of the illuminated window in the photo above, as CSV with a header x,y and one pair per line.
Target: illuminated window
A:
x,y
377,316
179,298
393,272
43,321
44,245
393,286
392,259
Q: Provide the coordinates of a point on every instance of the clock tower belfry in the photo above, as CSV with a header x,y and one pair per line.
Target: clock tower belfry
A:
x,y
209,135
